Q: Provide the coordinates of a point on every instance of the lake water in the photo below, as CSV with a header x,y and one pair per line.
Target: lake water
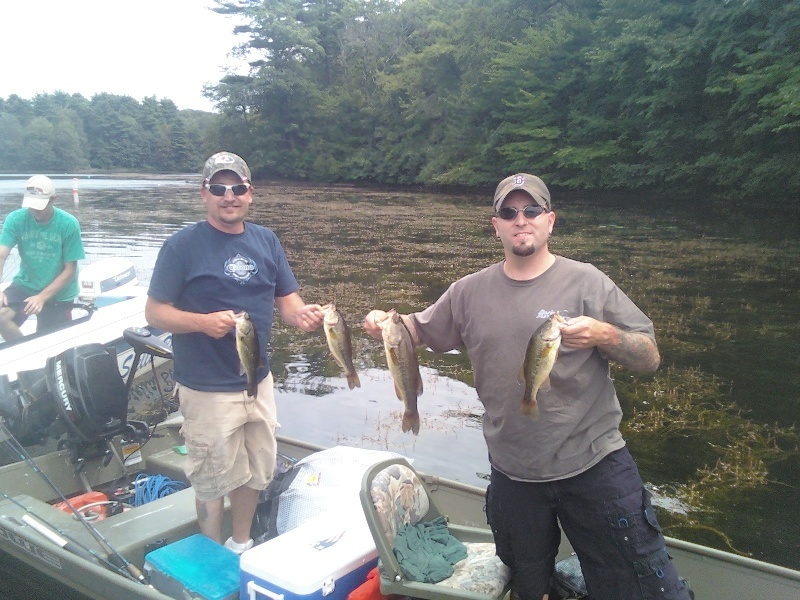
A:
x,y
712,430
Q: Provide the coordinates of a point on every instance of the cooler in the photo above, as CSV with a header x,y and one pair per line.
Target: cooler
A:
x,y
194,567
328,557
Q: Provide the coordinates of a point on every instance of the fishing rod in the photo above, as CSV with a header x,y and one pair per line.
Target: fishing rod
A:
x,y
113,555
62,539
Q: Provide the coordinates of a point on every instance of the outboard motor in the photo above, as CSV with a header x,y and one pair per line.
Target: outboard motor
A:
x,y
91,398
27,409
79,393
89,393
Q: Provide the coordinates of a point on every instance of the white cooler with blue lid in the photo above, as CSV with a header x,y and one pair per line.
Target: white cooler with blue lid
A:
x,y
327,557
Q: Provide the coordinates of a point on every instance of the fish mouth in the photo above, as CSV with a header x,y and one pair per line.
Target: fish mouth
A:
x,y
384,321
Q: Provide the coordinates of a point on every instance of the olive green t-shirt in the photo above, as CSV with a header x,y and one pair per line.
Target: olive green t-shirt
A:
x,y
493,317
43,249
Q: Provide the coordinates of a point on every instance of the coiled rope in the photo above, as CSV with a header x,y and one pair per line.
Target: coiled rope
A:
x,y
152,487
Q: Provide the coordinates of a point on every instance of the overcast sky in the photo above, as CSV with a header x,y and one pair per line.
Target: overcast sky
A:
x,y
138,48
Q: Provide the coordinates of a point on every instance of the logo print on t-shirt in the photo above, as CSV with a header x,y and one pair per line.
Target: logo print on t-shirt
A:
x,y
240,268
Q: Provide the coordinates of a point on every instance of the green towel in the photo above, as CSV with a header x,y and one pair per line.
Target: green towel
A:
x,y
427,552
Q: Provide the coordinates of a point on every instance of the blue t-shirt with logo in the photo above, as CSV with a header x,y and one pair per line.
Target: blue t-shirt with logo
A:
x,y
202,269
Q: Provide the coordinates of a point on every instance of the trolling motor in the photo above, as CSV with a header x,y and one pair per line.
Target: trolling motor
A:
x,y
81,396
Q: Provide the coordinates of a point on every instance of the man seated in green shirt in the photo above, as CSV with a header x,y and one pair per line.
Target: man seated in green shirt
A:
x,y
49,243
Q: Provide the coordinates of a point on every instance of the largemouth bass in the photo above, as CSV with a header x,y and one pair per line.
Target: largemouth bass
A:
x,y
340,343
248,350
401,358
539,360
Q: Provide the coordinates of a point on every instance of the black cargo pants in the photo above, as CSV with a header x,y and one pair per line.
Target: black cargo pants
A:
x,y
607,516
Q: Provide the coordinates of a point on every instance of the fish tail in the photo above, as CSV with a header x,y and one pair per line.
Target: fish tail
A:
x,y
530,409
411,422
353,381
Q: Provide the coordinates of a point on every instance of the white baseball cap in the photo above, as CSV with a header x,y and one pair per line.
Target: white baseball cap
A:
x,y
38,192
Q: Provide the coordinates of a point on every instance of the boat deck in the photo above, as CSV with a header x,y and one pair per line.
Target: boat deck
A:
x,y
713,574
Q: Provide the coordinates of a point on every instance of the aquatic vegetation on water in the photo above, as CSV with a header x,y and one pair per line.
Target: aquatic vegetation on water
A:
x,y
687,403
730,453
711,425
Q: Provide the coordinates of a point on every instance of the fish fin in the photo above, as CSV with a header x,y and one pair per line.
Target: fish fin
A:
x,y
545,384
353,381
241,369
392,356
411,422
397,391
252,389
419,385
530,409
521,374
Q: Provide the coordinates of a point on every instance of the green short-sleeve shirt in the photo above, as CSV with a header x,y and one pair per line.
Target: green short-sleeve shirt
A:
x,y
44,249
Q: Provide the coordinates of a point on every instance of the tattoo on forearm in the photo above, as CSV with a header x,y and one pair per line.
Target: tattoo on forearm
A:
x,y
636,351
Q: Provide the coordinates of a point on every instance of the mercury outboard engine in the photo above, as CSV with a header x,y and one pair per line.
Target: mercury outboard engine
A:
x,y
79,395
89,392
27,410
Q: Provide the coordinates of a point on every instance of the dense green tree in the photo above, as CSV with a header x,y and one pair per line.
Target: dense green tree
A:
x,y
754,79
38,151
21,109
11,143
665,94
69,143
61,133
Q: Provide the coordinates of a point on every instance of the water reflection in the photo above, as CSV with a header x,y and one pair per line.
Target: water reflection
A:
x,y
324,411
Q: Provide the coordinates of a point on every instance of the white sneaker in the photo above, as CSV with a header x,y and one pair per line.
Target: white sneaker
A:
x,y
237,547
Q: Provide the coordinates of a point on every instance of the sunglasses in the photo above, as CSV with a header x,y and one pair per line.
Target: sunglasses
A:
x,y
218,189
509,213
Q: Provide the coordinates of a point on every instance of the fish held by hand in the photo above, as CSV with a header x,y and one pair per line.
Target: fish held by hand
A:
x,y
340,343
540,357
401,357
247,348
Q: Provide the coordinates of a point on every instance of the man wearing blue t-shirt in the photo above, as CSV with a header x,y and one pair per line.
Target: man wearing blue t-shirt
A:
x,y
48,240
203,276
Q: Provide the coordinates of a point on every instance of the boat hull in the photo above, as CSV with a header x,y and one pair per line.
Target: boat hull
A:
x,y
713,574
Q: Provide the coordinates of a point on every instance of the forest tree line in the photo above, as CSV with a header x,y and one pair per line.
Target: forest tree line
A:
x,y
681,96
63,133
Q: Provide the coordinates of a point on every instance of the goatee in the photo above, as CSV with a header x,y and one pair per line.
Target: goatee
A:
x,y
524,250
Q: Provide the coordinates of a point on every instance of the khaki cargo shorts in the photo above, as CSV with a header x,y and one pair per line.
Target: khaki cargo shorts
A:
x,y
230,439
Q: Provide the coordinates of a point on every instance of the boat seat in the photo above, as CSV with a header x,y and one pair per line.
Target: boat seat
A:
x,y
393,495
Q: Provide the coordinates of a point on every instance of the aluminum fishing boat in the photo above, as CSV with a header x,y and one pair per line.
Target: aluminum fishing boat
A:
x,y
103,451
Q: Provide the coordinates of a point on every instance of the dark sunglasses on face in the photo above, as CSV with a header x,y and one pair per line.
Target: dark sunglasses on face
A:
x,y
509,213
219,189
